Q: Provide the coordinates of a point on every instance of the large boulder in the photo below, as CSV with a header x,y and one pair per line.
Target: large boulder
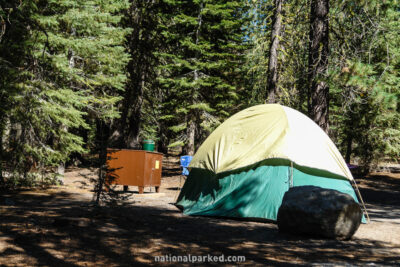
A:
x,y
317,211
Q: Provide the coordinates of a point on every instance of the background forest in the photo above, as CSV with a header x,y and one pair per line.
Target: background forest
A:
x,y
79,76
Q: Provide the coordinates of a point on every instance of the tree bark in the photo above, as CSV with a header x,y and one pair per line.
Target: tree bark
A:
x,y
103,133
163,139
349,142
1,156
190,132
273,53
318,103
135,119
126,131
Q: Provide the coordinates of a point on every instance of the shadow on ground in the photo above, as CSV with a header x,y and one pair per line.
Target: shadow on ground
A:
x,y
51,229
382,195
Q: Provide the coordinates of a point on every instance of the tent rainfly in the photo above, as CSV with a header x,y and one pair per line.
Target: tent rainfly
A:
x,y
246,165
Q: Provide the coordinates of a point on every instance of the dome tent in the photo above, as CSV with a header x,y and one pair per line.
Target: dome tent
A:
x,y
246,165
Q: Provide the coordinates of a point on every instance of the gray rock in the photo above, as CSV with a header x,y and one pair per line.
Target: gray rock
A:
x,y
317,211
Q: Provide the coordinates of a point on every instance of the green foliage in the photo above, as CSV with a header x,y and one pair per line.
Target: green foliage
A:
x,y
292,55
71,66
363,71
260,16
364,80
32,179
73,71
200,66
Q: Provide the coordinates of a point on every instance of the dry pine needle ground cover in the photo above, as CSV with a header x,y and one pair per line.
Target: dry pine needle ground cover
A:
x,y
59,226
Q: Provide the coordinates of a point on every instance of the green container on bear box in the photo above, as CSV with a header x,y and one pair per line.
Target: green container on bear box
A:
x,y
148,145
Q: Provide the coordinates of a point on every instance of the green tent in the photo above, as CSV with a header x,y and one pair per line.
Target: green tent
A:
x,y
246,165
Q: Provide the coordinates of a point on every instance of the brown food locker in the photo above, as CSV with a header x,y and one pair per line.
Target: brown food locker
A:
x,y
134,168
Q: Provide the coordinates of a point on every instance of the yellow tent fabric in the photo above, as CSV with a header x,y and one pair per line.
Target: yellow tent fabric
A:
x,y
265,132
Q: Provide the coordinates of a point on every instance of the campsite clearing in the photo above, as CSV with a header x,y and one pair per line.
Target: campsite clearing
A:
x,y
60,227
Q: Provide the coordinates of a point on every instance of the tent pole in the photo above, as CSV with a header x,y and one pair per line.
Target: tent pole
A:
x,y
291,174
362,201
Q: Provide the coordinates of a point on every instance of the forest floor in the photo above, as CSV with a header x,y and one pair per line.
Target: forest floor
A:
x,y
59,226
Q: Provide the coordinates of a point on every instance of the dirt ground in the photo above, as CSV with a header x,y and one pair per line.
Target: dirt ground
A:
x,y
59,226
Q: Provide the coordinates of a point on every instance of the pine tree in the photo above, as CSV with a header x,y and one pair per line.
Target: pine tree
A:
x,y
15,18
364,80
74,63
362,73
135,108
290,58
201,66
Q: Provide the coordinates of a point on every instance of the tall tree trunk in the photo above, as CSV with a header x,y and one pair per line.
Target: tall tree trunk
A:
x,y
135,118
349,142
191,124
126,131
103,135
190,132
163,139
1,156
318,63
273,53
